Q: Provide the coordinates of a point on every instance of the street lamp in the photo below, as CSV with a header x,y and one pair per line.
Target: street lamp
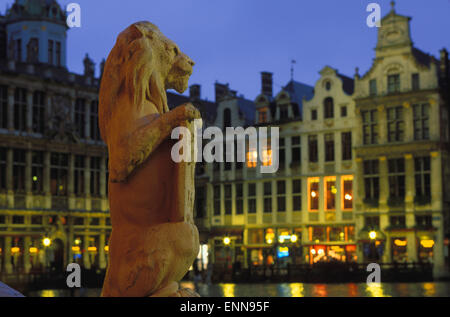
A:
x,y
294,238
46,242
226,240
372,235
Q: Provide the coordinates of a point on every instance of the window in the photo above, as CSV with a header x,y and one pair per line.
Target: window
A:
x,y
226,118
397,221
3,168
281,195
343,111
262,115
239,199
38,111
95,132
346,138
284,112
393,83
80,111
252,156
296,149
50,52
37,171
58,53
396,173
312,148
228,207
216,200
330,193
296,194
328,85
267,196
424,221
372,222
370,126
58,174
329,147
3,107
20,109
313,184
19,163
371,180
373,87
395,124
18,50
79,175
18,220
95,176
251,198
421,115
347,192
328,107
415,81
422,176
36,220
200,202
314,114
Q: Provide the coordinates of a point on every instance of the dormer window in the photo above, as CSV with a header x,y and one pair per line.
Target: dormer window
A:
x,y
393,83
262,115
284,112
415,81
328,85
328,107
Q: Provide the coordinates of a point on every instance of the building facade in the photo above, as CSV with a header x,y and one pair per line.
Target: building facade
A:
x,y
402,145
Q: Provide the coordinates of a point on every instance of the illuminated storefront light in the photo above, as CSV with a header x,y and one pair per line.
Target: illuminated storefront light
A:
x,y
46,242
252,157
226,240
400,243
372,235
427,243
15,250
33,250
92,249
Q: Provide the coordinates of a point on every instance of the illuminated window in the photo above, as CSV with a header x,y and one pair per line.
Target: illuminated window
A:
x,y
262,115
252,156
267,155
347,192
330,193
313,195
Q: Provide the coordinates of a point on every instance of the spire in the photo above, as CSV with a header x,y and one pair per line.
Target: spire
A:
x,y
393,6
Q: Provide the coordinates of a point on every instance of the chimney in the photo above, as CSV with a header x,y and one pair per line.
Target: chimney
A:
x,y
266,83
194,91
221,90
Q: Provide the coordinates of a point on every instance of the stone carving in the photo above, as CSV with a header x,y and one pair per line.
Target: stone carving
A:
x,y
154,240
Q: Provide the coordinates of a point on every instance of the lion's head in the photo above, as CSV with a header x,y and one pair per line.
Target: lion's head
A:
x,y
142,65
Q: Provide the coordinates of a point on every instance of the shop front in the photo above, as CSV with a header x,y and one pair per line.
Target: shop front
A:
x,y
372,243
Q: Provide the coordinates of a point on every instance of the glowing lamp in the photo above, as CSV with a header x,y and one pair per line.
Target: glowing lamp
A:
x,y
35,178
269,241
294,238
320,251
92,249
226,240
33,250
46,242
313,251
313,194
427,243
76,249
107,248
15,249
77,241
400,243
372,235
348,197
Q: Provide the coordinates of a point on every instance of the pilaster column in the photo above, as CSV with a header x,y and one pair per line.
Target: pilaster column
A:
x,y
101,247
87,117
11,92
29,113
86,259
438,217
26,254
411,247
28,179
409,182
9,177
408,118
87,182
46,180
384,182
358,185
435,115
7,258
382,124
70,181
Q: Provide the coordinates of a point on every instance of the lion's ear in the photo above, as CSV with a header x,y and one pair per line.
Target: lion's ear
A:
x,y
146,29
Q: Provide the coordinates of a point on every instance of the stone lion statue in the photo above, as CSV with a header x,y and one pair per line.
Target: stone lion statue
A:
x,y
154,240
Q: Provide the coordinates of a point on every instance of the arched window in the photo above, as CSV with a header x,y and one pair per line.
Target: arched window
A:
x,y
328,108
226,118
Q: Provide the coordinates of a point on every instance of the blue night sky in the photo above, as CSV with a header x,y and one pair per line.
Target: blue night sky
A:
x,y
232,41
